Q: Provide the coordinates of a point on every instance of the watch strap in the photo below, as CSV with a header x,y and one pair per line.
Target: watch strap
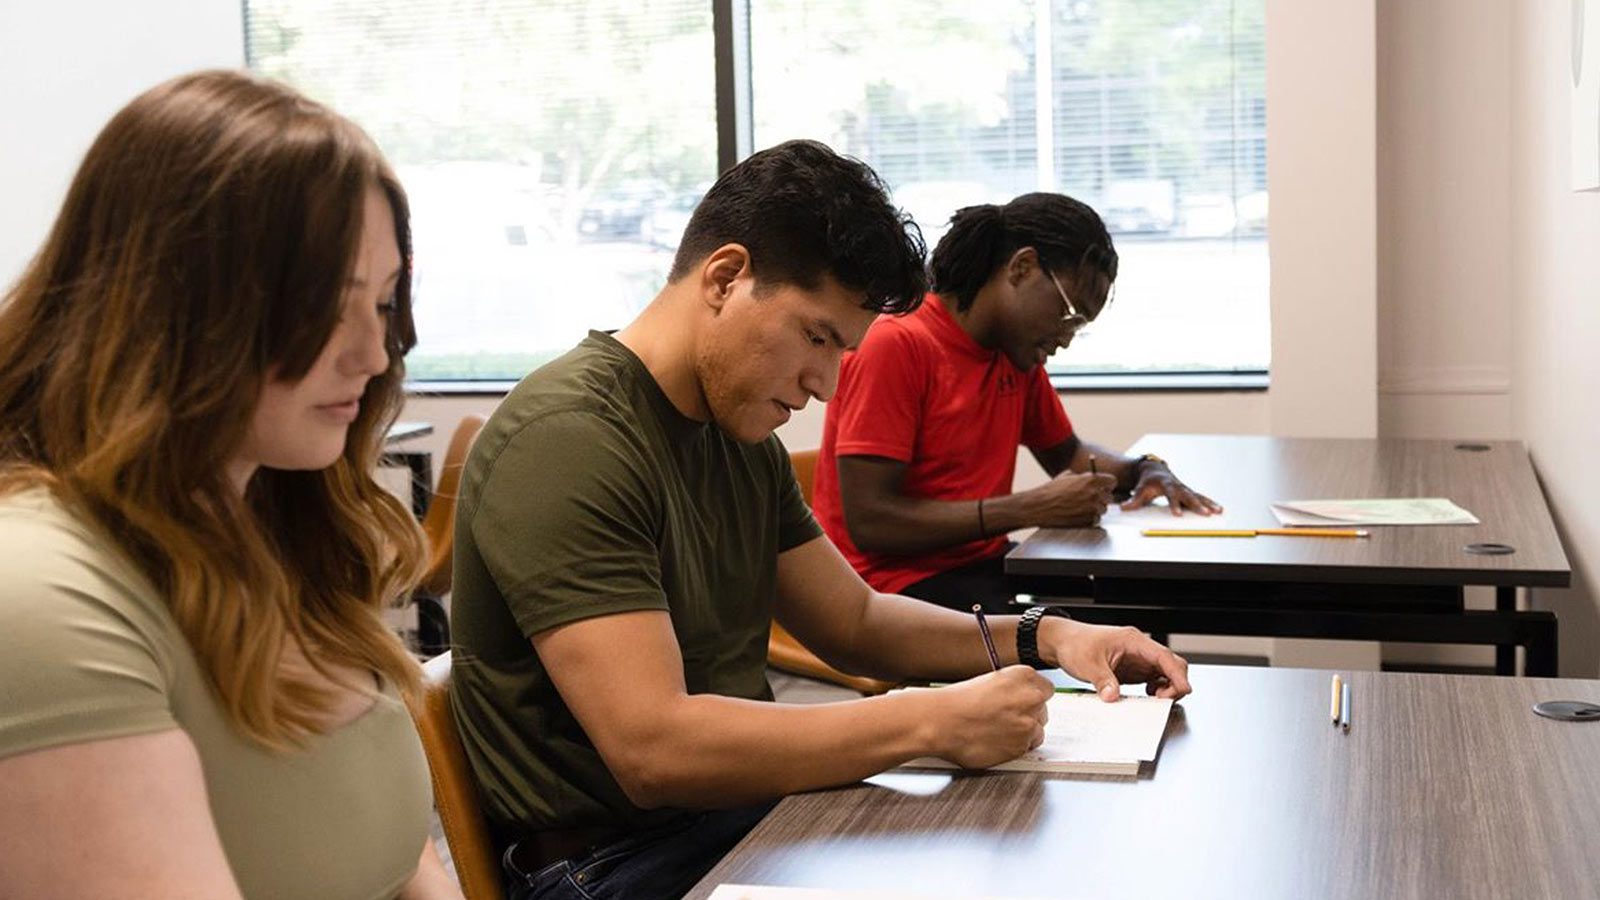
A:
x,y
1028,635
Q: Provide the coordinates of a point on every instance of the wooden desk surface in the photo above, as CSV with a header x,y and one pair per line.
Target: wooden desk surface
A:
x,y
1247,473
1445,786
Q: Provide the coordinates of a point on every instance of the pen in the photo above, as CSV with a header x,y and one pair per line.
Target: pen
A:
x,y
1092,469
988,639
1344,708
1257,532
1333,710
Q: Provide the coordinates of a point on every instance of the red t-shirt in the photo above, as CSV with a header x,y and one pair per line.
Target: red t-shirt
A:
x,y
921,391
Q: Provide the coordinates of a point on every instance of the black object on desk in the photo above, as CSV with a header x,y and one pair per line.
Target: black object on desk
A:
x,y
1568,710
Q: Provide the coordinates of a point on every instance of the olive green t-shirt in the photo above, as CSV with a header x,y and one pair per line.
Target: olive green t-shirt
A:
x,y
586,494
88,651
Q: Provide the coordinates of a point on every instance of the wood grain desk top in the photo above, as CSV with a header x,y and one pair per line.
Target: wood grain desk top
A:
x,y
1248,473
1445,786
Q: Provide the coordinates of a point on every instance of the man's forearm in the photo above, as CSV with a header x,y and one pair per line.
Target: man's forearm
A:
x,y
713,751
907,525
905,639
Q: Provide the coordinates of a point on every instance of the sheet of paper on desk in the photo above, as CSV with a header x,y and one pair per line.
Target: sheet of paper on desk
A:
x,y
1394,511
1088,736
1159,515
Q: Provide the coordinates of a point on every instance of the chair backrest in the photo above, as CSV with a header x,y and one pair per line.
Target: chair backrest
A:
x,y
440,522
455,790
804,463
784,650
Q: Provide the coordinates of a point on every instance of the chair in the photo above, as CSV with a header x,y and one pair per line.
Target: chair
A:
x,y
455,790
433,624
784,650
440,522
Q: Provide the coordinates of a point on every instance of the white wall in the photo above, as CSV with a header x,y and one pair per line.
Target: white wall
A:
x,y
1444,207
1487,314
1321,175
1555,298
66,68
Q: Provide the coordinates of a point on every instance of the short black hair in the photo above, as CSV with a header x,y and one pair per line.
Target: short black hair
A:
x,y
1066,233
803,212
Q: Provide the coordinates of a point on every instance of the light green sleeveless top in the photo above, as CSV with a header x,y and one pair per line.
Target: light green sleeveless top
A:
x,y
88,651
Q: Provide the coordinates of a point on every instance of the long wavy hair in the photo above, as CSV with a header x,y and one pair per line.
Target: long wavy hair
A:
x,y
203,249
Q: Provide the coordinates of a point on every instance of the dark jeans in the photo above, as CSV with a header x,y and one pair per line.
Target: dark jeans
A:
x,y
662,862
985,582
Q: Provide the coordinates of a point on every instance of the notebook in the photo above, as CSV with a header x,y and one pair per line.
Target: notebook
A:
x,y
1088,736
1397,511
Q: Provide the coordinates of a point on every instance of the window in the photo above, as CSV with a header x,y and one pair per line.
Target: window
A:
x,y
1151,111
553,149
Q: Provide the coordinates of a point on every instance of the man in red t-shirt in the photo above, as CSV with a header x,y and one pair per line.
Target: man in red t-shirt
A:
x,y
919,446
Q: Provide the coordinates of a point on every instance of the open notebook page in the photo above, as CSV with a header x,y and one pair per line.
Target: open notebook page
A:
x,y
1086,735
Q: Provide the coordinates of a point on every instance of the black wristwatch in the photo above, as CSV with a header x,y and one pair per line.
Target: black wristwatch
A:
x,y
1028,635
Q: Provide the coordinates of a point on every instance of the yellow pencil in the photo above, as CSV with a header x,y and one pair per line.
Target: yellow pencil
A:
x,y
1255,532
1334,711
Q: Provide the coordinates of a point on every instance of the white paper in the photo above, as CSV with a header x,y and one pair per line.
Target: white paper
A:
x,y
1393,511
1087,734
1159,515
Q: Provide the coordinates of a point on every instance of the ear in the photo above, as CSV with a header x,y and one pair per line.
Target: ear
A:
x,y
724,266
1021,264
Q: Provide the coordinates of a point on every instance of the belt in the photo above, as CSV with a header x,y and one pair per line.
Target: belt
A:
x,y
537,849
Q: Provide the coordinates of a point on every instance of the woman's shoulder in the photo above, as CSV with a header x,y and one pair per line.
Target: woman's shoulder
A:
x,y
38,530
37,513
55,565
85,639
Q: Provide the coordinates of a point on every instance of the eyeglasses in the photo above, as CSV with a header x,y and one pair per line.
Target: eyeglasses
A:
x,y
1076,323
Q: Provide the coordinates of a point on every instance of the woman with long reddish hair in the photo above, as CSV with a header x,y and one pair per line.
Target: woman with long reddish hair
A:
x,y
198,697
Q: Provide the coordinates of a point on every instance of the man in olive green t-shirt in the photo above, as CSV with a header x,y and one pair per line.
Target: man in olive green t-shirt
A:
x,y
629,527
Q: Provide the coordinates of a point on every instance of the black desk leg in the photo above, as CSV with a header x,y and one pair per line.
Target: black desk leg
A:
x,y
1505,655
421,465
1540,658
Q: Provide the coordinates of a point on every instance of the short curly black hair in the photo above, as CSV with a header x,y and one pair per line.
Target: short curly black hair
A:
x,y
803,211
